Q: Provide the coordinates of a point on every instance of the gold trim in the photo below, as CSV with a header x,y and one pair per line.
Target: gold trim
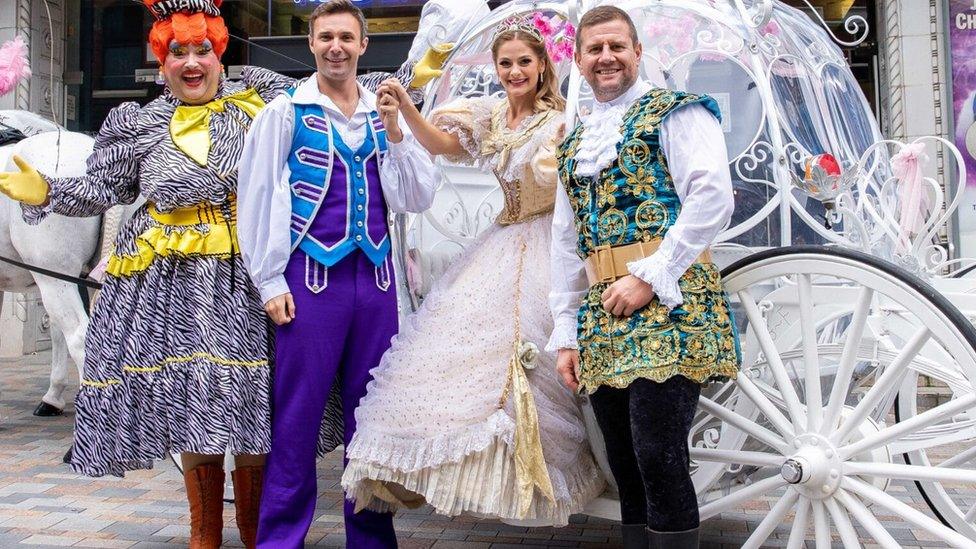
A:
x,y
530,464
187,358
101,384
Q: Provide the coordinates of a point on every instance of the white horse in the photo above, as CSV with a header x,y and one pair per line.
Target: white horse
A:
x,y
60,244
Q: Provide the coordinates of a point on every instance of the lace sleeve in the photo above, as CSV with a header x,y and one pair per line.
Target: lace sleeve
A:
x,y
470,121
538,154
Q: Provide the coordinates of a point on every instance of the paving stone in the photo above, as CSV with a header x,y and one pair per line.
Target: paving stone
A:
x,y
43,504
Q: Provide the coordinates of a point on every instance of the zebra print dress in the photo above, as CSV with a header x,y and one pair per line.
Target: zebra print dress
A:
x,y
177,353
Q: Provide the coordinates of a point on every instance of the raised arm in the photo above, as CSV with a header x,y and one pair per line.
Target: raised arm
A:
x,y
267,83
407,172
434,139
111,174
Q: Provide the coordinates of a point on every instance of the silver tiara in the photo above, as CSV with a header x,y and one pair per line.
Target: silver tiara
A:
x,y
519,23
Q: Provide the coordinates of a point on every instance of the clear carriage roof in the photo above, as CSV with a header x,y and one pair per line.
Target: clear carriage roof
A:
x,y
779,76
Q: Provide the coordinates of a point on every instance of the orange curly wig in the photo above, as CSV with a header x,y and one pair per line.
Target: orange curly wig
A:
x,y
187,29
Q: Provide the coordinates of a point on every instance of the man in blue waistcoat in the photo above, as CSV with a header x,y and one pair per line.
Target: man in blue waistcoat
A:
x,y
323,167
641,320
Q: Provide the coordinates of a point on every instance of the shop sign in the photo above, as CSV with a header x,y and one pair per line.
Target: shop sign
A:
x,y
962,45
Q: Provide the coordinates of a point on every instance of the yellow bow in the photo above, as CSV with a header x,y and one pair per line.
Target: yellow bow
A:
x,y
190,125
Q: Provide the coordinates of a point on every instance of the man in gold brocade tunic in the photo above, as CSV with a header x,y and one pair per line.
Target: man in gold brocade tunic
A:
x,y
641,320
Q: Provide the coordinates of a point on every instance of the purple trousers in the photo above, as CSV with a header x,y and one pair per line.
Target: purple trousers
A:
x,y
344,329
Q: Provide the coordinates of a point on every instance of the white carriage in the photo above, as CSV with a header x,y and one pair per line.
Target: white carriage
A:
x,y
848,305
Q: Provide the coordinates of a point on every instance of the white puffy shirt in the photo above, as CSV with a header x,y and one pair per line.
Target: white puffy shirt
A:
x,y
694,146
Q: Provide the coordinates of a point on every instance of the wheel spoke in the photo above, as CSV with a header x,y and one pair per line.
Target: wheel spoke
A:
x,y
961,458
821,525
882,386
971,514
759,459
910,514
910,425
867,520
773,359
746,493
811,357
772,520
848,535
744,424
910,472
765,405
798,533
845,370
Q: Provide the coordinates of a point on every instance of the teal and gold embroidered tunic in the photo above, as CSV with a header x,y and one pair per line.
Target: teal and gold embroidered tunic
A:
x,y
633,200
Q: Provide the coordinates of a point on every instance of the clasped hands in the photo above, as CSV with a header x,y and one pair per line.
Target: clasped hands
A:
x,y
26,185
389,97
621,299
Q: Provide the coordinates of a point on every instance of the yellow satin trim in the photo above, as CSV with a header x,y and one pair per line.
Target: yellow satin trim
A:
x,y
530,463
100,384
177,235
189,358
190,125
175,360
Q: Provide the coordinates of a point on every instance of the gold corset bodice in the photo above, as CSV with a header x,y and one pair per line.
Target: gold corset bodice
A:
x,y
523,159
532,192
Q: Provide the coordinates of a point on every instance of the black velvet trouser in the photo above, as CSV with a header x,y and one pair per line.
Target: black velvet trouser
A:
x,y
645,427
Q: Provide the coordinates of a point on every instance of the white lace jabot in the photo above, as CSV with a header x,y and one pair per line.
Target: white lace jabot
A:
x,y
601,131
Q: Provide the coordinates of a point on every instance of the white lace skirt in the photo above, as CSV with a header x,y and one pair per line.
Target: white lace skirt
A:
x,y
431,421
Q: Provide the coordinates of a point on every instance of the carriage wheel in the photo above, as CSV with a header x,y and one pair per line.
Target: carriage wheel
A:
x,y
812,427
951,502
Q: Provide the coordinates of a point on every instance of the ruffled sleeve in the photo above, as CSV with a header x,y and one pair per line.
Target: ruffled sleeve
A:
x,y
470,121
538,155
267,83
111,174
694,146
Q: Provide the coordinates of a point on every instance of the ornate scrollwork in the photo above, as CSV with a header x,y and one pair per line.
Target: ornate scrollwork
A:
x,y
855,25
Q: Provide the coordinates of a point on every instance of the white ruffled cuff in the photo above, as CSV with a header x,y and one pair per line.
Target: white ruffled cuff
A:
x,y
654,270
563,335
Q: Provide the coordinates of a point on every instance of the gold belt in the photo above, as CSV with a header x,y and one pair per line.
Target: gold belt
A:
x,y
608,263
209,214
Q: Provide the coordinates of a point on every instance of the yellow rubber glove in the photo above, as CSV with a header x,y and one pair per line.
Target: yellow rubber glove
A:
x,y
25,186
430,65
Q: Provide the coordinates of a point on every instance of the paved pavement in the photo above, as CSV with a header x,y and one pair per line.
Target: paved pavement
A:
x,y
43,504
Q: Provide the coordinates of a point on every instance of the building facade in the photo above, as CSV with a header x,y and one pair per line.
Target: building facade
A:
x,y
90,55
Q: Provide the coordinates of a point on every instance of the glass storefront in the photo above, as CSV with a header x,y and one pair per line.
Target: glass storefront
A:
x,y
272,33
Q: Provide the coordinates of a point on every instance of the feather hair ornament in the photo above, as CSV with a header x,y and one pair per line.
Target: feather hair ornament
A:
x,y
14,65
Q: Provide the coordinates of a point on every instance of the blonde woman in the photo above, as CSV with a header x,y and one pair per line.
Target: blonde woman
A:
x,y
465,411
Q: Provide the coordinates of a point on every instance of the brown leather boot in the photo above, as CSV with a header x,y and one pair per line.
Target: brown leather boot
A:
x,y
205,492
247,496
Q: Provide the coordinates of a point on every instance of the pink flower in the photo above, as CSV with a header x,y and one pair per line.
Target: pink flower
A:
x,y
570,30
543,24
771,28
566,47
14,65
